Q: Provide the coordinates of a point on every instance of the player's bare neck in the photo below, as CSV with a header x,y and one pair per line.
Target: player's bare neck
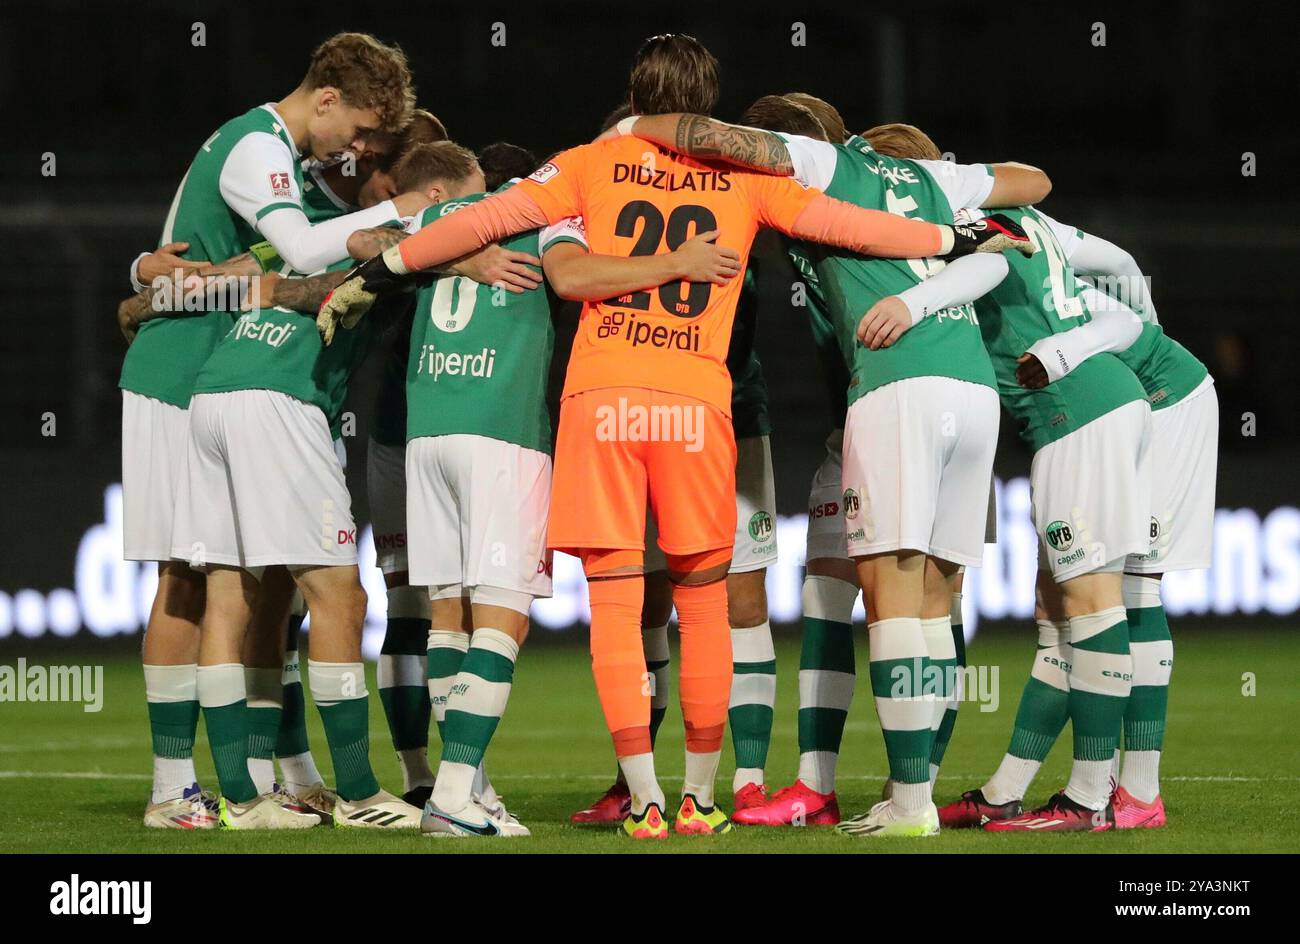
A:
x,y
296,109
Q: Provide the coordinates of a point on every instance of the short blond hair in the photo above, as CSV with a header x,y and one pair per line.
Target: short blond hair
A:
x,y
902,140
425,164
368,74
824,111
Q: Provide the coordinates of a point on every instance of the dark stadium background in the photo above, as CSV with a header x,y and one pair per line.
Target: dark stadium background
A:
x,y
1144,139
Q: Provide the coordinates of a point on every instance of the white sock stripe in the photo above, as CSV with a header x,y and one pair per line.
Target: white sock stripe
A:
x,y
654,642
829,598
1052,634
1141,592
220,685
171,683
1152,662
938,637
1094,624
408,603
493,640
753,688
401,671
752,643
291,673
333,682
820,688
448,639
1051,667
896,638
264,688
905,714
955,614
478,696
1101,673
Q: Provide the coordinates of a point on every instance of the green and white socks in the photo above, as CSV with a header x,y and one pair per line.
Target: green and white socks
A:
x,y
753,695
221,693
1152,647
948,720
942,657
899,663
173,720
339,690
403,689
297,766
1101,675
827,675
474,705
264,705
1044,709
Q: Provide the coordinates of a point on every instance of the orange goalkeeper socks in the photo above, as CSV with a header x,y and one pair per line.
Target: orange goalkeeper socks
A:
x,y
618,660
705,663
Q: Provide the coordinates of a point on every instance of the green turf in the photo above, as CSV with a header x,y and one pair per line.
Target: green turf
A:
x,y
1231,770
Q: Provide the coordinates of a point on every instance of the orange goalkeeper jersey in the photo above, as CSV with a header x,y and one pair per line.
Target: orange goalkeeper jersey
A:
x,y
637,199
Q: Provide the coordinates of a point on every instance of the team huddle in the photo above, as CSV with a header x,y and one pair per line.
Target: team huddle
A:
x,y
342,218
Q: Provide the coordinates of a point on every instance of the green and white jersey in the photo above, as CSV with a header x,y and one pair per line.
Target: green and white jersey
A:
x,y
280,349
215,210
1038,298
319,202
480,356
1167,370
835,363
749,416
945,344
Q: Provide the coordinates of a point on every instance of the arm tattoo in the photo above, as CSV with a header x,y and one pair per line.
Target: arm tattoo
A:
x,y
306,295
701,137
242,264
373,241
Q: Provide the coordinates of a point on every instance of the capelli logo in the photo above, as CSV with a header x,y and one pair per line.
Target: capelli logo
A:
x,y
75,897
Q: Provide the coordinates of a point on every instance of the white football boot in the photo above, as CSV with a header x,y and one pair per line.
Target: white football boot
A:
x,y
472,820
263,812
886,819
192,810
510,826
381,811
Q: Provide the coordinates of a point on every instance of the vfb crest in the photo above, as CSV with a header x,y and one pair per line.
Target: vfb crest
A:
x,y
760,526
1059,535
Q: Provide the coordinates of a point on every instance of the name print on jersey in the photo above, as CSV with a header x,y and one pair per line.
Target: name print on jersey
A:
x,y
436,363
718,181
248,328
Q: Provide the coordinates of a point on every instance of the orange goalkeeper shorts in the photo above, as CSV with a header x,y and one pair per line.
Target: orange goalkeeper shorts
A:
x,y
619,447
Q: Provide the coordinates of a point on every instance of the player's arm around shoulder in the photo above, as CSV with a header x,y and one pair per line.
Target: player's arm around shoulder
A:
x,y
577,274
705,138
1017,185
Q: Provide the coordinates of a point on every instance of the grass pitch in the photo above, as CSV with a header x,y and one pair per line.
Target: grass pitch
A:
x,y
72,781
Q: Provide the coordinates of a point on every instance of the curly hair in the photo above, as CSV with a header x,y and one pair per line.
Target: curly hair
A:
x,y
368,74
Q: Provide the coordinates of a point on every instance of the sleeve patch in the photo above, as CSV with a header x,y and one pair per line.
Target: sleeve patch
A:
x,y
544,173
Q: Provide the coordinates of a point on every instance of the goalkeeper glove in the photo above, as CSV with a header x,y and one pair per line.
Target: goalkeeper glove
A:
x,y
995,233
353,297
